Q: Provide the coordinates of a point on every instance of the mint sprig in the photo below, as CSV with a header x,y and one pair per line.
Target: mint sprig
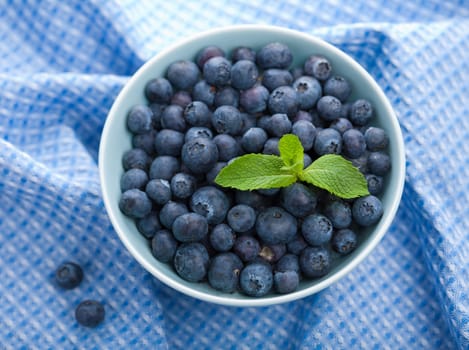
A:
x,y
330,172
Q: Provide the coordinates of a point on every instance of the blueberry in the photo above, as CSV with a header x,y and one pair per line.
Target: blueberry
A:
x,y
286,282
197,113
217,71
375,183
204,92
170,211
68,275
376,139
361,163
228,147
247,248
283,99
207,53
341,125
279,125
344,241
379,163
273,78
190,227
199,155
136,158
145,141
309,91
274,55
139,119
135,203
297,244
275,225
243,53
306,160
164,167
318,67
272,253
298,199
182,185
367,211
302,115
159,191
314,262
198,131
181,98
339,213
227,119
213,173
191,261
361,112
253,140
338,86
255,99
252,198
210,202
306,132
169,142
269,192
316,229
222,237
256,279
224,271
297,72
244,74
288,262
148,225
89,313
241,218
173,118
346,107
353,143
133,178
328,141
226,96
329,108
157,109
163,246
249,121
271,146
159,90
183,74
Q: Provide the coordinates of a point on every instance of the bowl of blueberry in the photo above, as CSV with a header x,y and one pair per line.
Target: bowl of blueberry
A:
x,y
251,165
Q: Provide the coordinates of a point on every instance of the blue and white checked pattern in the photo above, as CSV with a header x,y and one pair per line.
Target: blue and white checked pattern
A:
x,y
61,66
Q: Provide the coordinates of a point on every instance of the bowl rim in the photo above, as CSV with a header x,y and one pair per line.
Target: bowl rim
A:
x,y
328,280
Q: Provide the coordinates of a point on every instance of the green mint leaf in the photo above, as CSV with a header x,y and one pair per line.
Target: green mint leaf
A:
x,y
336,175
255,171
291,152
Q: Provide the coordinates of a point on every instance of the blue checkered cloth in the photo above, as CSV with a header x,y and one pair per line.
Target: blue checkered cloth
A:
x,y
62,63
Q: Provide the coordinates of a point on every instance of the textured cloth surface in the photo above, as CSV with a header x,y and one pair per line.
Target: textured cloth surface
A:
x,y
62,63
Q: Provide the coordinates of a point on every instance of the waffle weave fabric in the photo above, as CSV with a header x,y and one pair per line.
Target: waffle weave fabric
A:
x,y
62,63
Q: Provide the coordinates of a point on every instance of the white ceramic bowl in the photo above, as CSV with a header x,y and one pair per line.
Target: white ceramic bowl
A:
x,y
116,139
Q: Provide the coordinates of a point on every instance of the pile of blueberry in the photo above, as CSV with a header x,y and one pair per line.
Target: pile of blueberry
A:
x,y
206,112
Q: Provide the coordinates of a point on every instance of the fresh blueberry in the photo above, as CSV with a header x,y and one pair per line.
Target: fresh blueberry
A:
x,y
286,282
210,202
247,248
273,252
353,143
170,211
198,131
306,132
254,100
271,146
204,92
173,118
227,120
217,71
145,141
298,199
68,275
253,140
243,53
181,98
344,241
190,227
228,147
182,185
183,74
341,125
263,122
139,119
361,163
283,99
157,109
346,107
379,163
375,183
159,90
169,142
316,229
252,198
297,244
213,173
329,107
273,78
148,225
275,225
133,178
222,238
279,125
224,271
297,72
328,141
256,279
89,313
309,91
241,218
164,167
338,86
274,55
244,74
135,203
197,113
159,191
226,96
163,246
288,262
199,155
249,121
306,160
318,67
367,211
317,121
339,213
207,53
361,112
269,192
191,261
376,139
315,262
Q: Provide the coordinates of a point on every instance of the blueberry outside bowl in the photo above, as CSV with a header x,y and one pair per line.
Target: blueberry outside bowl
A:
x,y
116,139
